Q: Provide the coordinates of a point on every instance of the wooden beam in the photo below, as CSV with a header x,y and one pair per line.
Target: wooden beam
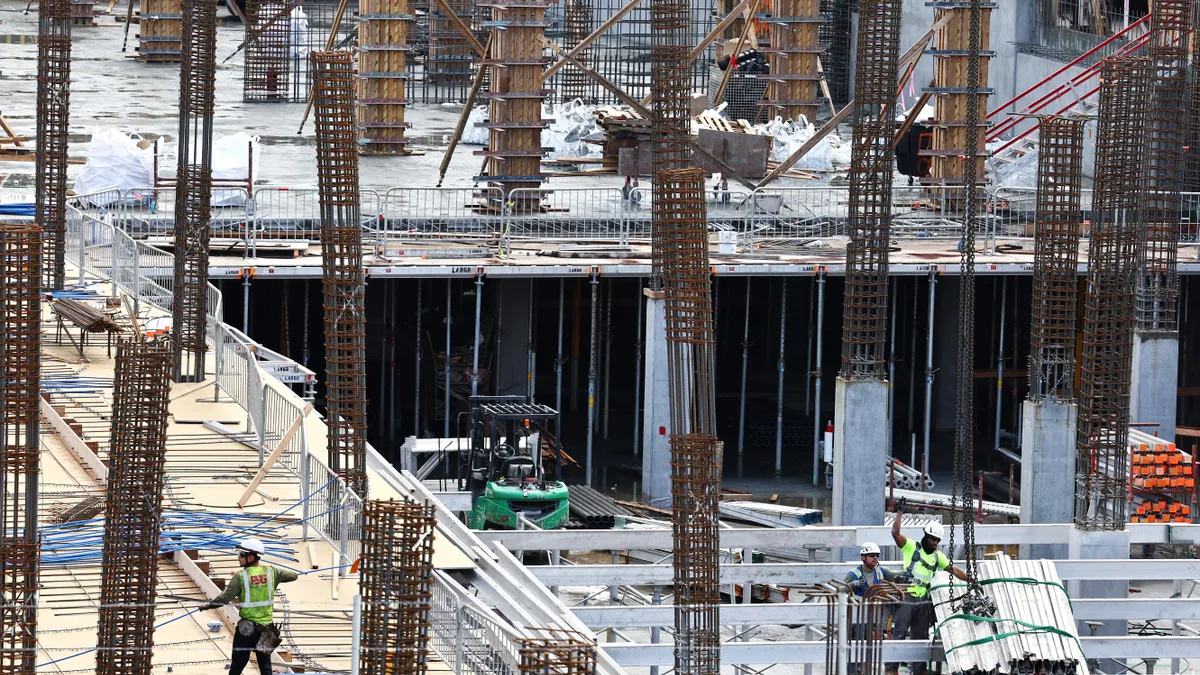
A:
x,y
8,130
747,29
601,30
616,91
912,118
462,28
717,30
274,456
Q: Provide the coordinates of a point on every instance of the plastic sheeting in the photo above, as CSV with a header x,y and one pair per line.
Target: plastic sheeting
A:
x,y
790,135
115,162
573,121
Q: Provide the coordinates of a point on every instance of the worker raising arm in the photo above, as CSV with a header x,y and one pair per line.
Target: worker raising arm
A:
x,y
254,589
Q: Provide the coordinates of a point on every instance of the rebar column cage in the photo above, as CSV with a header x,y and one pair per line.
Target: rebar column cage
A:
x,y
343,279
835,47
267,62
1164,165
20,450
383,76
447,64
193,192
1056,259
681,251
516,93
868,618
864,322
396,584
794,89
951,99
563,653
1192,172
572,83
160,31
1102,470
53,114
133,507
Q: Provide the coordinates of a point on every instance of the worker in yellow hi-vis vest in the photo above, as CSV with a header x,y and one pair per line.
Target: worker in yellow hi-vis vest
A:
x,y
254,589
915,614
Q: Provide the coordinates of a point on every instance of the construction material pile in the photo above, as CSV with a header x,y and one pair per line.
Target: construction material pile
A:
x,y
1031,630
1163,480
84,316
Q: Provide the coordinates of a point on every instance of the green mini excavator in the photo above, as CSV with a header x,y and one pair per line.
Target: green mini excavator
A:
x,y
503,466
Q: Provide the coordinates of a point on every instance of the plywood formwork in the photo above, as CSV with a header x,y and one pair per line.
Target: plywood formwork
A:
x,y
267,64
950,43
159,31
515,124
795,46
382,76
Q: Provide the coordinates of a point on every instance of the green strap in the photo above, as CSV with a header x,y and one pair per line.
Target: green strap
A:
x,y
1033,629
1029,581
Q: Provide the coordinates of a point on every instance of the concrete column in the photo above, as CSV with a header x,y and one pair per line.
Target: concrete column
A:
x,y
1100,545
860,432
1047,470
656,414
1155,374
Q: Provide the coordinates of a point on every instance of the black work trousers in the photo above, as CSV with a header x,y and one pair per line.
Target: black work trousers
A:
x,y
913,618
243,646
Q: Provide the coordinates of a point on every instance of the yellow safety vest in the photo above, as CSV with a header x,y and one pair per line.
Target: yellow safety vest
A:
x,y
922,566
256,600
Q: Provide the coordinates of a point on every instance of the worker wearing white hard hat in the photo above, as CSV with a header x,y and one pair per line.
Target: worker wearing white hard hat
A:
x,y
870,572
921,562
254,589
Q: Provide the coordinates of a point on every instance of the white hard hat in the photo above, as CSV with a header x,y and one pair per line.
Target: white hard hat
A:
x,y
869,548
935,530
253,546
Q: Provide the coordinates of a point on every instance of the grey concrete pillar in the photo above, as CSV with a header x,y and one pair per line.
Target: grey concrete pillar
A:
x,y
656,413
1155,374
860,434
1047,470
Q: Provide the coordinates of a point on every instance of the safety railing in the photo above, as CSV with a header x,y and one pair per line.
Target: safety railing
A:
x,y
286,214
463,634
150,212
432,213
573,214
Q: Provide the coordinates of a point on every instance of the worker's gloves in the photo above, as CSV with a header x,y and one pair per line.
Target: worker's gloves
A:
x,y
860,585
208,605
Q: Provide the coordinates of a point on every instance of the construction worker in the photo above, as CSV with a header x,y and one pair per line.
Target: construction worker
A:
x,y
254,589
921,561
870,572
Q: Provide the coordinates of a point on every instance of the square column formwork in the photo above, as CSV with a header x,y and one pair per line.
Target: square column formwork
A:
x,y
1047,469
1153,395
860,440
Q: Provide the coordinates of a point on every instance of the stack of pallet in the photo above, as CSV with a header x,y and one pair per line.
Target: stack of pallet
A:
x,y
382,76
160,31
1162,481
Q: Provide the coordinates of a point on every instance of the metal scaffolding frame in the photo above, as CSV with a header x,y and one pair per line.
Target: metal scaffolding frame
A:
x,y
53,115
342,265
1056,258
20,448
1102,471
396,578
193,191
133,507
1164,165
865,317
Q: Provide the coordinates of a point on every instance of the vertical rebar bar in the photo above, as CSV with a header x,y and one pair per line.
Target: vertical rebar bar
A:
x,y
1101,475
267,58
133,507
1056,259
193,192
342,266
20,449
53,116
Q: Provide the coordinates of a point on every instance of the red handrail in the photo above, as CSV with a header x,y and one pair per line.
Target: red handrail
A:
x,y
1061,89
1070,65
1034,128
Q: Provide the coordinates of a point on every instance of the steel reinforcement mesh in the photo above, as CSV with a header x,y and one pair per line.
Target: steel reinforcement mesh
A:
x,y
681,252
396,583
133,508
20,450
266,66
563,653
835,44
1164,166
1056,259
577,24
342,265
193,194
53,113
864,322
1102,470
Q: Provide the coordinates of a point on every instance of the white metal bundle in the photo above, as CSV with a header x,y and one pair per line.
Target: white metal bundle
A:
x,y
905,476
1035,620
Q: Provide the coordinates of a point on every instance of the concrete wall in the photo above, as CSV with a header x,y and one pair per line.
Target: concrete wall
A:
x,y
1155,373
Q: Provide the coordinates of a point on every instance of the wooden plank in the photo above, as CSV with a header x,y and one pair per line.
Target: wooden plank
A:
x,y
74,443
8,130
274,456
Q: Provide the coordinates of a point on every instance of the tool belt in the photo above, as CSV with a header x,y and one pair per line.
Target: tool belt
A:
x,y
268,638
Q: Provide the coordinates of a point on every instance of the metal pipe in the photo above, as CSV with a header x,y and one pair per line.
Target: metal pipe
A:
x,y
304,349
558,360
391,333
383,366
817,428
576,319
1000,360
929,372
246,302
356,635
655,631
475,351
529,348
891,409
607,356
496,352
843,632
808,354
591,402
912,360
637,381
446,410
417,379
745,366
779,392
